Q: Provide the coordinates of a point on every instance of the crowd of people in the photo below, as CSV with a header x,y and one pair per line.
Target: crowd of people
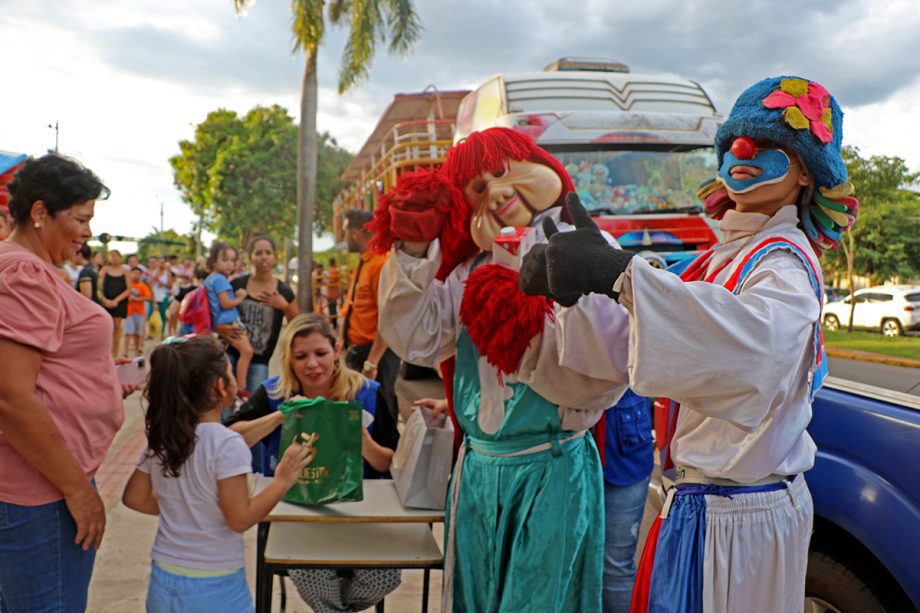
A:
x,y
142,300
329,285
549,362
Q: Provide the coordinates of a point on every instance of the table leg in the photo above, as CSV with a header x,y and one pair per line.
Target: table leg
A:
x,y
425,585
263,577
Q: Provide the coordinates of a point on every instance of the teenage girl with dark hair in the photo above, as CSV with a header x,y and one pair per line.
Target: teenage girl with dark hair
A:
x,y
190,462
267,303
113,292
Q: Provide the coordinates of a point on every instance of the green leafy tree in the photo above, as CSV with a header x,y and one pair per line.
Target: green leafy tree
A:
x,y
369,21
884,243
193,164
168,242
241,176
331,163
253,181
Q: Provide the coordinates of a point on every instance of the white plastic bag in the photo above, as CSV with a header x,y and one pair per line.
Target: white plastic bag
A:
x,y
423,460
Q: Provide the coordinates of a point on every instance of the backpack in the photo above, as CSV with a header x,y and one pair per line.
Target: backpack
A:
x,y
195,310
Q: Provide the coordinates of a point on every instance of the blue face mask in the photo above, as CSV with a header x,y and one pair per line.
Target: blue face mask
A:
x,y
773,165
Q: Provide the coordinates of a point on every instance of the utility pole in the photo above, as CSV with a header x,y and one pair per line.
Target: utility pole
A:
x,y
55,128
161,226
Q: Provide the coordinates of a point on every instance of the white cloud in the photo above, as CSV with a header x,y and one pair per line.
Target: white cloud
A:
x,y
127,81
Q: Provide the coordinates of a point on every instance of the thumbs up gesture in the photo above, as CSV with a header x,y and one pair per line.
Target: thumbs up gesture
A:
x,y
582,261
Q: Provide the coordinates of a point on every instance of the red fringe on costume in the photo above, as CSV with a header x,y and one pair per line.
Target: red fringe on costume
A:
x,y
501,319
456,243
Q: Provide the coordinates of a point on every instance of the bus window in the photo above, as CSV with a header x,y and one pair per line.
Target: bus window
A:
x,y
617,182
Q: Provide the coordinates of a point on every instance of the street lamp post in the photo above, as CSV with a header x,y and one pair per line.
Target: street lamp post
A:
x,y
55,128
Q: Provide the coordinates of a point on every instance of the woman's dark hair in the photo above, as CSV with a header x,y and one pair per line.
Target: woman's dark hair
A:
x,y
179,392
217,247
251,245
358,219
86,252
58,181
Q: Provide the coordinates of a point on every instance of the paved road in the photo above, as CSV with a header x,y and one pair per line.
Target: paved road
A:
x,y
897,378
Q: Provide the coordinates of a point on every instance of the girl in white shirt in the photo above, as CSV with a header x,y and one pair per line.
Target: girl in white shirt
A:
x,y
193,475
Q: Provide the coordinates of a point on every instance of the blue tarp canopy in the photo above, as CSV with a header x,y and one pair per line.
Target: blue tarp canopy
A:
x,y
9,160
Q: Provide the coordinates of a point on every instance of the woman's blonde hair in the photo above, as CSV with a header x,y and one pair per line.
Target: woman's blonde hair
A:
x,y
345,382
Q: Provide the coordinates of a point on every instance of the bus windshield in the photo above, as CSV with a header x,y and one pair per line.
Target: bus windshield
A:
x,y
620,182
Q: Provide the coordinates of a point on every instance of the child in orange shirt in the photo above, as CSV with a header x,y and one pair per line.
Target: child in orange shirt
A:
x,y
135,321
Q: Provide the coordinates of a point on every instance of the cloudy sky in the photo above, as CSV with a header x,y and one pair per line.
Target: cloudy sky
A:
x,y
127,80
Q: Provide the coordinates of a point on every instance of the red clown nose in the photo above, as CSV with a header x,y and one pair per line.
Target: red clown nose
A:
x,y
743,148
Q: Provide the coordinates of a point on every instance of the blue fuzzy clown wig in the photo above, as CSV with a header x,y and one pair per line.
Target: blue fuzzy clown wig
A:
x,y
801,115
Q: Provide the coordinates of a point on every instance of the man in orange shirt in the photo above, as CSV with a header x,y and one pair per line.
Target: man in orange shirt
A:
x,y
135,320
365,350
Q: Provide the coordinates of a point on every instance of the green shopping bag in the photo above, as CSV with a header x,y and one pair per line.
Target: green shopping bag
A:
x,y
336,473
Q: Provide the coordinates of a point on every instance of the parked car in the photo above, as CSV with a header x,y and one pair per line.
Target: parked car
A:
x,y
832,294
891,309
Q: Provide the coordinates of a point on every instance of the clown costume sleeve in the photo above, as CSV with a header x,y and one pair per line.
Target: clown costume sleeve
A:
x,y
419,318
419,314
717,354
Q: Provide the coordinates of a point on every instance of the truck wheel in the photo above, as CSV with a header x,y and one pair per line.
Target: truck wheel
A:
x,y
831,323
891,328
832,586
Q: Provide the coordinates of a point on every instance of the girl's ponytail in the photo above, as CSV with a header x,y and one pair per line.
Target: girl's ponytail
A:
x,y
179,391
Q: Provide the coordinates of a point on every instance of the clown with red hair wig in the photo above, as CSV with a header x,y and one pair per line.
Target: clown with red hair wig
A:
x,y
525,511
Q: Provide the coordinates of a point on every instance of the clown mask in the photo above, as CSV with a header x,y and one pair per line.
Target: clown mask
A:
x,y
510,196
761,178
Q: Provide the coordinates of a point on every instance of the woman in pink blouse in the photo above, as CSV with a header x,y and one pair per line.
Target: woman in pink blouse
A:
x,y
60,398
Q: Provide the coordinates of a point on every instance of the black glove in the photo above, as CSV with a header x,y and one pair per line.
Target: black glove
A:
x,y
582,261
532,278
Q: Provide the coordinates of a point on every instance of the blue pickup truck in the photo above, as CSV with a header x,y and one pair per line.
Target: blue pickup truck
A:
x,y
865,550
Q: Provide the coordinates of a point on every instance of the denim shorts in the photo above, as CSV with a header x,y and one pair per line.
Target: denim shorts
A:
x,y
169,593
41,568
135,325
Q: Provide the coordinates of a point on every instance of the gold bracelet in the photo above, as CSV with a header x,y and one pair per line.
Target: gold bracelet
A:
x,y
368,365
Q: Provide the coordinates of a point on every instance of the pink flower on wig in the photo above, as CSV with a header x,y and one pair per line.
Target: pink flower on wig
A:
x,y
806,105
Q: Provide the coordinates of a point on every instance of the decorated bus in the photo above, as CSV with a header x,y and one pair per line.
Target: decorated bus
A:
x,y
636,146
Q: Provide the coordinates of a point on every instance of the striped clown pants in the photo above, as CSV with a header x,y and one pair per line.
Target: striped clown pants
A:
x,y
728,549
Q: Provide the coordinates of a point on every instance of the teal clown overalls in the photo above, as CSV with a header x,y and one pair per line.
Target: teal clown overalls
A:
x,y
525,528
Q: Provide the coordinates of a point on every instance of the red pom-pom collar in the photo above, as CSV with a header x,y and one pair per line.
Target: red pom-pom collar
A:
x,y
500,319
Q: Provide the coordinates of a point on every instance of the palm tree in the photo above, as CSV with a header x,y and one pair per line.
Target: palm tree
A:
x,y
369,22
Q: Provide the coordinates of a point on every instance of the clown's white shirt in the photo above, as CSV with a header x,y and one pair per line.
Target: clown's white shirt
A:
x,y
420,321
737,364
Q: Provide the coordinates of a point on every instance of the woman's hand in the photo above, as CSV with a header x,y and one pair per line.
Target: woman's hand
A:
x,y
369,371
228,331
127,388
438,407
295,458
272,299
88,512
